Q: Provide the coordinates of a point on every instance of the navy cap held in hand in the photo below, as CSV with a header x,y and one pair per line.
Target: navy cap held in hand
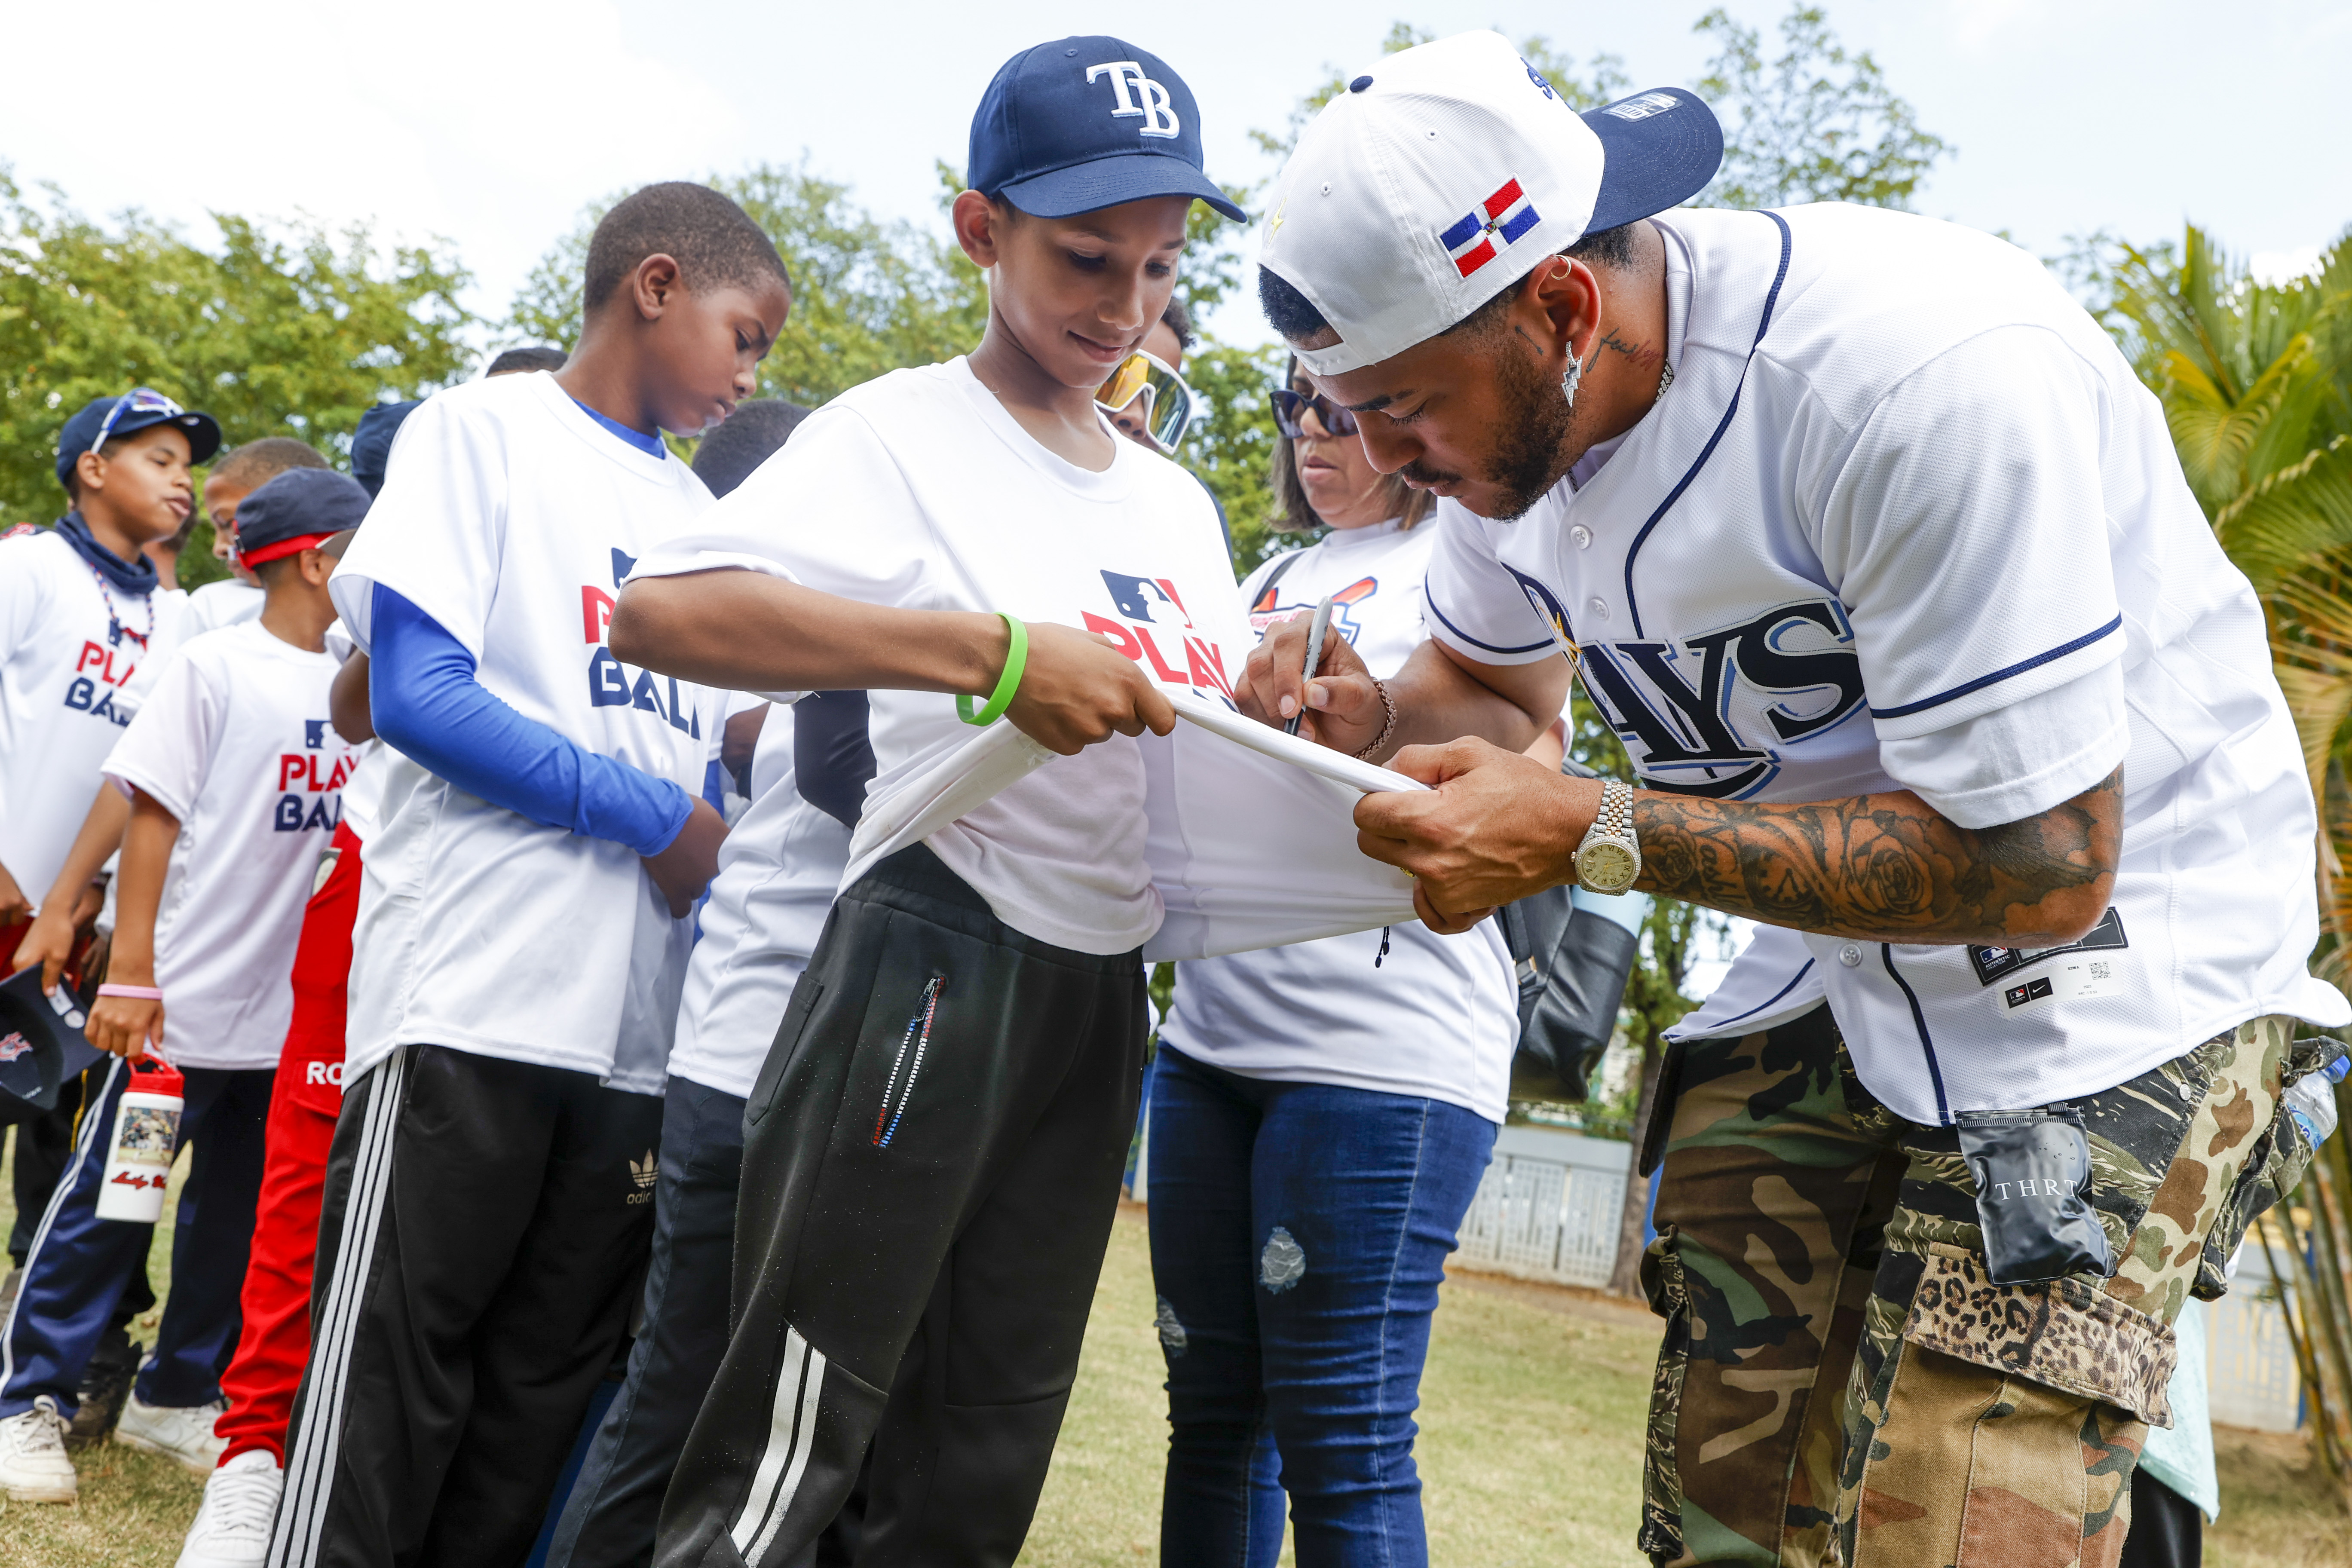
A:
x,y
1081,125
298,509
372,442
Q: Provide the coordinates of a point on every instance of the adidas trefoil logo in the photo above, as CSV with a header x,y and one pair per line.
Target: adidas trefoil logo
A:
x,y
643,1173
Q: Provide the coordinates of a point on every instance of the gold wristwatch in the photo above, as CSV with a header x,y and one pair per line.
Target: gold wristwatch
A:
x,y
1610,858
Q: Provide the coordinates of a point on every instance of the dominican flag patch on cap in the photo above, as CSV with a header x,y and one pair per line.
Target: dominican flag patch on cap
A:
x,y
1505,216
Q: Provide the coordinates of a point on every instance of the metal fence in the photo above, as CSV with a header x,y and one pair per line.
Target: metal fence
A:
x,y
1549,1207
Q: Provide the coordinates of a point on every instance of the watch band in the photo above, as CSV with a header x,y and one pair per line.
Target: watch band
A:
x,y
1616,818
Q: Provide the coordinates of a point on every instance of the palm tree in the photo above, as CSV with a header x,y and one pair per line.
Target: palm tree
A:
x,y
2256,383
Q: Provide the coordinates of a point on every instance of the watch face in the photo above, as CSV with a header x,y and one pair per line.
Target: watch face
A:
x,y
1606,867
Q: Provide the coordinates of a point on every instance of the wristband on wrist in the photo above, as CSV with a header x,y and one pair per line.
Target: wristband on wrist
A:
x,y
135,992
1017,659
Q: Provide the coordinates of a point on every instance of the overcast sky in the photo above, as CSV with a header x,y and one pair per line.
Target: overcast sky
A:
x,y
490,122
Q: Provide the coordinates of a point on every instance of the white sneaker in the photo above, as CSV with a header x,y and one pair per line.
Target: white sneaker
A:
x,y
177,1432
33,1463
232,1529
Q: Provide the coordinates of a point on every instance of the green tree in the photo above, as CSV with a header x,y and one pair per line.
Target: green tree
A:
x,y
283,330
1817,124
1232,444
868,296
2256,383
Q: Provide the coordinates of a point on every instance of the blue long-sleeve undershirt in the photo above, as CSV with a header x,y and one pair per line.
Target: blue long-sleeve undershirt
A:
x,y
428,705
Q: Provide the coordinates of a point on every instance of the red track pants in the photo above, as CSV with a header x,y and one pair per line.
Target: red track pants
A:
x,y
261,1381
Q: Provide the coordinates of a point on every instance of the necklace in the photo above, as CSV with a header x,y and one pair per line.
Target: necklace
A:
x,y
115,630
1665,380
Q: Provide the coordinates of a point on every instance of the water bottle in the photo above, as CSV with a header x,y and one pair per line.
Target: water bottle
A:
x,y
146,1136
2312,1100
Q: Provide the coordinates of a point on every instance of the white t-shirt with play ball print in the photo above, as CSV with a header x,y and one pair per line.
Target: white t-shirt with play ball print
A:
x,y
234,742
919,491
71,648
510,516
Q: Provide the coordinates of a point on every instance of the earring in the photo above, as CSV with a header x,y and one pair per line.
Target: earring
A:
x,y
1571,377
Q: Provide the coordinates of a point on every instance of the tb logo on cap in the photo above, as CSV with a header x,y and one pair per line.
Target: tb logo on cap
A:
x,y
1126,76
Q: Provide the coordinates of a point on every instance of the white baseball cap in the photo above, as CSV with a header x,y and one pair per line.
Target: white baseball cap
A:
x,y
1446,172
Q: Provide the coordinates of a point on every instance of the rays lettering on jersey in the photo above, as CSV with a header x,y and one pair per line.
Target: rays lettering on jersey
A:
x,y
1265,612
1685,734
609,683
95,682
1146,604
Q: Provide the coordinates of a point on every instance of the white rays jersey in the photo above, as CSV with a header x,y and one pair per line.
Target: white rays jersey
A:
x,y
71,643
1906,519
510,516
1438,1018
234,742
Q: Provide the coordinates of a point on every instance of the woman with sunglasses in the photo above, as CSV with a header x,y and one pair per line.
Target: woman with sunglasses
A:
x,y
1320,1117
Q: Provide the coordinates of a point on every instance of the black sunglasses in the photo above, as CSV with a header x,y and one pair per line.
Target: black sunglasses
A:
x,y
1290,407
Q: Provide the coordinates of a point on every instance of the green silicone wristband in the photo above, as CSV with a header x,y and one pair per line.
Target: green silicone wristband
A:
x,y
1017,659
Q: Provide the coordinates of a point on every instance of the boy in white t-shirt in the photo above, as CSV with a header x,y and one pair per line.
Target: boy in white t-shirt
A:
x,y
539,842
239,472
934,1144
234,475
236,784
82,609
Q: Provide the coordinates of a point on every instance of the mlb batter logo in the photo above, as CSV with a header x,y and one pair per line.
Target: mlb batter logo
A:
x,y
1471,242
1138,596
1150,603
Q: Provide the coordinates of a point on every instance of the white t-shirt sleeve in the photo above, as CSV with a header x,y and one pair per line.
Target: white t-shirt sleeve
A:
x,y
1474,605
830,510
1967,533
435,531
20,593
167,751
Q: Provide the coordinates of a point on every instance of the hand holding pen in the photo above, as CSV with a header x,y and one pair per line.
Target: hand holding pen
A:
x,y
1315,633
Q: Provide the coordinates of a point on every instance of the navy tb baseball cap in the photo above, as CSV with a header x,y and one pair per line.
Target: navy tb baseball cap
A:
x,y
1082,124
104,419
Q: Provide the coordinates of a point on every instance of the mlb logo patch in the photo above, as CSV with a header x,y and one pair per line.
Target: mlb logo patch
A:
x,y
1471,242
314,734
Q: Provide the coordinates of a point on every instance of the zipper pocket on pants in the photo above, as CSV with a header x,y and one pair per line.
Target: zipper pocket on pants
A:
x,y
913,1047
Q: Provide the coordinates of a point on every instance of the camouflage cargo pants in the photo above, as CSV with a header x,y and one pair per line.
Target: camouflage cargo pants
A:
x,y
1839,1382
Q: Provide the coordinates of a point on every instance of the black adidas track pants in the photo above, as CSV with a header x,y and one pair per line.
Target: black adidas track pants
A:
x,y
930,1170
485,1229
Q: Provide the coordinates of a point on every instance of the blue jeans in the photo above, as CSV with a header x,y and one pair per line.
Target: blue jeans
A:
x,y
1299,1233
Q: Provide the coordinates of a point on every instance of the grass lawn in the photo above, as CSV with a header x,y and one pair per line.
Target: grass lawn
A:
x,y
1530,1452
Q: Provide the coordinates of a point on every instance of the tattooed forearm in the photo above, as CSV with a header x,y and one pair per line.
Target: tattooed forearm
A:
x,y
1889,867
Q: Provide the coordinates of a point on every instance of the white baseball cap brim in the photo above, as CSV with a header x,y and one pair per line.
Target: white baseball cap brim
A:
x,y
1446,172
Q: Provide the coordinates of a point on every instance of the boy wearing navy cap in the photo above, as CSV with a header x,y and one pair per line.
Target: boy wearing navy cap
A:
x,y
236,784
934,1144
82,608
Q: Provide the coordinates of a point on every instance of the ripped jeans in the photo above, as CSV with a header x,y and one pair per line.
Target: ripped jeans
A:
x,y
1299,1233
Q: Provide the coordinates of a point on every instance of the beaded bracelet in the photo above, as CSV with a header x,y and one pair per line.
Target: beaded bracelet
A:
x,y
1389,707
1017,659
